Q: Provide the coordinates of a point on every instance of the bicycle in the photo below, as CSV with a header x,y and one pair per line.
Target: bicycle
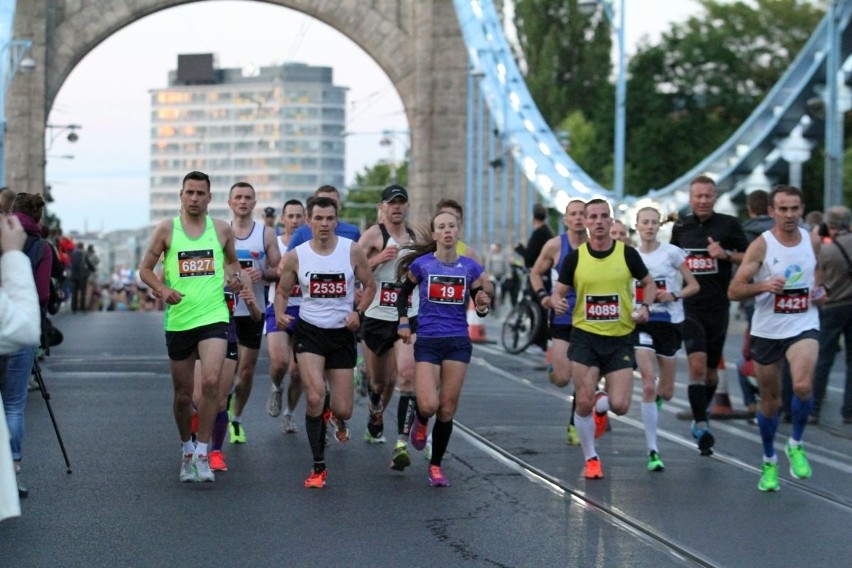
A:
x,y
524,323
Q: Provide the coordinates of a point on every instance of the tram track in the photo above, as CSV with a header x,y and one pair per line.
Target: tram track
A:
x,y
826,456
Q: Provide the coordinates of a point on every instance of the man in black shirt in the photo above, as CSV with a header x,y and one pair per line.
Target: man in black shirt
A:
x,y
540,235
713,242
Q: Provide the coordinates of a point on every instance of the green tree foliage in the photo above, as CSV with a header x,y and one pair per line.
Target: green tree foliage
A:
x,y
691,91
567,57
364,196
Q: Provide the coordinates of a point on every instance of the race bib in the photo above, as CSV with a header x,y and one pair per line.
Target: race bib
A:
x,y
196,263
640,290
699,262
296,291
244,264
388,293
331,285
231,301
602,308
446,289
792,301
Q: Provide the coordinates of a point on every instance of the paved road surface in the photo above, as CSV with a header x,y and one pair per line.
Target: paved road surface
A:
x,y
517,496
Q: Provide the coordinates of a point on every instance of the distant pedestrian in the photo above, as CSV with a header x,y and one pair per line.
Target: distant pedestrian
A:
x,y
79,278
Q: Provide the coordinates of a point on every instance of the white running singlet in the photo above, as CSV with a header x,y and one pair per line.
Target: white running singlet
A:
x,y
328,291
788,314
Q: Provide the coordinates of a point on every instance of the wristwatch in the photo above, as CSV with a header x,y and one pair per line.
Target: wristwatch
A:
x,y
675,297
729,254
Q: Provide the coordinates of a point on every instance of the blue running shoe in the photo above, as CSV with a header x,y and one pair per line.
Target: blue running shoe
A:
x,y
704,438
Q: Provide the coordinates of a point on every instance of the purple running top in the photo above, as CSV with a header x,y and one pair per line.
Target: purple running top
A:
x,y
444,294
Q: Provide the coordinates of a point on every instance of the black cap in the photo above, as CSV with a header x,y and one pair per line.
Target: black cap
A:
x,y
270,211
393,191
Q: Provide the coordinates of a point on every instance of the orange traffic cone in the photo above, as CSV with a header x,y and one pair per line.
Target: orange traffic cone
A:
x,y
475,325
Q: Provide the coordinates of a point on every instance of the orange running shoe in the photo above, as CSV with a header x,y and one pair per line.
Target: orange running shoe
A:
x,y
217,461
316,480
601,419
419,433
593,469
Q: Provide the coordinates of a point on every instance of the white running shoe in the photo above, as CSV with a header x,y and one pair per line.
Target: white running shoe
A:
x,y
273,404
201,464
288,424
187,473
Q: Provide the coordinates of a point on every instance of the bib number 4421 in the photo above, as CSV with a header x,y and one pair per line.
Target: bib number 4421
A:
x,y
792,301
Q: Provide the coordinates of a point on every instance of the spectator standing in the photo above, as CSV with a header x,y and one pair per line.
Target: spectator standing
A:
x,y
835,258
19,327
79,278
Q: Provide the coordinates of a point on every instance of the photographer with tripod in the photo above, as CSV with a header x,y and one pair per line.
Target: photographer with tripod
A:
x,y
19,331
29,209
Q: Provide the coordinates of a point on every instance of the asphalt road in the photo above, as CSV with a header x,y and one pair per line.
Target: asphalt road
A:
x,y
517,496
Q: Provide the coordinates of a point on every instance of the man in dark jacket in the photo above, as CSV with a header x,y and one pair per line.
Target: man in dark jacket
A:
x,y
79,278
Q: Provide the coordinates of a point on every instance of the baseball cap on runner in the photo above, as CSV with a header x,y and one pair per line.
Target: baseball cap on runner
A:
x,y
394,191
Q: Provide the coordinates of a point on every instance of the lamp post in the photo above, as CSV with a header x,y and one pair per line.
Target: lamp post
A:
x,y
60,128
620,90
12,58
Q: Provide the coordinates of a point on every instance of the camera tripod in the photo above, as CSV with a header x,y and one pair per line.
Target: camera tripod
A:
x,y
46,395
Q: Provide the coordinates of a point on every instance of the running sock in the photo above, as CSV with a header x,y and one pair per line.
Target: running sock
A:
x,y
649,418
236,418
422,419
220,430
711,392
200,449
768,427
697,393
573,407
316,436
375,397
800,409
405,413
440,439
188,447
319,466
586,430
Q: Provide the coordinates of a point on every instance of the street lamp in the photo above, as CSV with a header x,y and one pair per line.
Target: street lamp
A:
x,y
620,88
60,128
12,58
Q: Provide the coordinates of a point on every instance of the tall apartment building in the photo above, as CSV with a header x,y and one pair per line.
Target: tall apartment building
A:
x,y
280,129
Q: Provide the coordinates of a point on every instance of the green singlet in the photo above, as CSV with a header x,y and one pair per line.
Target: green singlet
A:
x,y
195,268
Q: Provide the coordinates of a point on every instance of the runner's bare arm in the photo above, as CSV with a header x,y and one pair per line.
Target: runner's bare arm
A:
x,y
273,255
159,244
545,261
743,286
288,279
232,267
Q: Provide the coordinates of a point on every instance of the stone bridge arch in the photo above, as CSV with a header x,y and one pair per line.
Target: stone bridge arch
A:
x,y
416,42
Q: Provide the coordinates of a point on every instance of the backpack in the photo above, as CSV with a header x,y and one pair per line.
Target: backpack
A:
x,y
34,248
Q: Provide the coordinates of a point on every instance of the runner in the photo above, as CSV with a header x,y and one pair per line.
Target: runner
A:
x,y
443,348
389,360
602,274
278,341
259,257
199,257
326,268
551,258
661,334
713,242
780,270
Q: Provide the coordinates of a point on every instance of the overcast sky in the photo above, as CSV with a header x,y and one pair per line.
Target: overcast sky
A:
x,y
105,185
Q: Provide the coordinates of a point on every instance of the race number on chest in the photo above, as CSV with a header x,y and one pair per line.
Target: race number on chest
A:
x,y
699,262
327,285
388,294
446,289
640,290
196,263
792,301
602,307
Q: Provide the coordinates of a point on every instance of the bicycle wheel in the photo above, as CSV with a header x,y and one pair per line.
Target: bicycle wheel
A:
x,y
519,327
